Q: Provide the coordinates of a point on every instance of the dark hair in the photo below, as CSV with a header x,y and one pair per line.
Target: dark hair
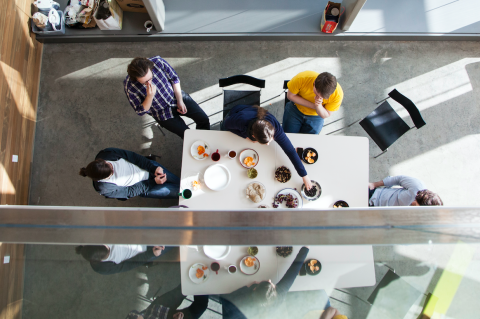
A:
x,y
428,198
262,129
139,68
264,294
96,170
93,253
325,84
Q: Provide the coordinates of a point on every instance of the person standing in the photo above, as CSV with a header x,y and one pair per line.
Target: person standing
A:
x,y
153,87
313,97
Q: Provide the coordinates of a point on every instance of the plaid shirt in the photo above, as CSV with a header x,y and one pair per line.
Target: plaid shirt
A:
x,y
152,312
164,100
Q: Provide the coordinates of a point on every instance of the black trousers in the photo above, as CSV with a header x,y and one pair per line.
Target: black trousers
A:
x,y
174,298
194,111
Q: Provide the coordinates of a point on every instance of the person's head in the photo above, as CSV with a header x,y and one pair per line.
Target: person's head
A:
x,y
140,70
93,252
427,198
325,84
265,293
97,170
262,130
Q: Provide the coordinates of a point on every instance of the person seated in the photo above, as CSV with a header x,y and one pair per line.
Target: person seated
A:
x,y
256,124
412,192
262,300
153,87
313,97
113,259
122,174
165,307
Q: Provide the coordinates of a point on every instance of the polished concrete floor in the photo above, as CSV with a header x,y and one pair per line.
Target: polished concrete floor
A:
x,y
83,109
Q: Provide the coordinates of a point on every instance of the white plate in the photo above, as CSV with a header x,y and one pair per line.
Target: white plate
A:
x,y
249,270
194,151
294,193
193,270
248,152
217,177
263,186
216,252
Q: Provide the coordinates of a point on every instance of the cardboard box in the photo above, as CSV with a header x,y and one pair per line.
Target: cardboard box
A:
x,y
115,21
132,5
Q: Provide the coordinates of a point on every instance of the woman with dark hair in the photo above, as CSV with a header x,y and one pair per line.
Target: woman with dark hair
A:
x,y
256,124
262,299
113,259
121,174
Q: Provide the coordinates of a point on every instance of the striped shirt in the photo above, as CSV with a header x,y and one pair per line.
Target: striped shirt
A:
x,y
164,76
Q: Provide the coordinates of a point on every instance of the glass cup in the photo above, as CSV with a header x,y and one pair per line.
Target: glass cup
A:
x,y
215,156
215,267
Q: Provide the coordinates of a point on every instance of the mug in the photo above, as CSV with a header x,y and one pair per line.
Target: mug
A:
x,y
148,25
231,154
186,193
215,267
231,269
215,156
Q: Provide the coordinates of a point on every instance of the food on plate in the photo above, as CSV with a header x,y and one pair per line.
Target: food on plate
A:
x,y
340,204
249,261
205,155
199,273
284,251
204,268
248,161
252,250
314,266
252,173
312,192
290,201
309,157
283,174
195,185
200,149
256,192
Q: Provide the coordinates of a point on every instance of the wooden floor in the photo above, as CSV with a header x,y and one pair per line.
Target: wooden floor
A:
x,y
20,61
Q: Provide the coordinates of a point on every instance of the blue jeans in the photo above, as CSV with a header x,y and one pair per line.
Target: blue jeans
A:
x,y
295,121
169,189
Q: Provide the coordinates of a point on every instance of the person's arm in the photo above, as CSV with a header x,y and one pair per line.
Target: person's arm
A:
x,y
177,90
374,185
330,313
136,99
287,280
406,182
284,142
317,106
110,268
151,90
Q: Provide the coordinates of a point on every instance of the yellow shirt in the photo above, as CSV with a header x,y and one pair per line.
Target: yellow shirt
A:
x,y
302,85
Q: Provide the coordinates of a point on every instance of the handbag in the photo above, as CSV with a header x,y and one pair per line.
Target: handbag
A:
x,y
331,16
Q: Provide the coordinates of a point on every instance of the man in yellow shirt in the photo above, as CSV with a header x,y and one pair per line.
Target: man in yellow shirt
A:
x,y
313,97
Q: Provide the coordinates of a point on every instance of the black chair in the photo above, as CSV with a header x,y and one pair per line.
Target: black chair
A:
x,y
385,126
232,98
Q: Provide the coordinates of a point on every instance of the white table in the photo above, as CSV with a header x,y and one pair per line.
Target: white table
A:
x,y
341,170
342,267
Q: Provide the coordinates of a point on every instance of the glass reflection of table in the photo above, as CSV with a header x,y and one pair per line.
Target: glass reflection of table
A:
x,y
342,267
341,170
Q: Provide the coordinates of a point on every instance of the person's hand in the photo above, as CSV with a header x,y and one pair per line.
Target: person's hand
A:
x,y
181,108
157,250
307,182
318,101
371,186
160,179
151,88
159,171
178,315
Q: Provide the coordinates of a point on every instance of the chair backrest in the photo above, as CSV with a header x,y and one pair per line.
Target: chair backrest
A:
x,y
409,106
384,125
244,79
285,87
232,98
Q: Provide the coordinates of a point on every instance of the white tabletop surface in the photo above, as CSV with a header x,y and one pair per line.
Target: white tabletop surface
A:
x,y
341,170
342,267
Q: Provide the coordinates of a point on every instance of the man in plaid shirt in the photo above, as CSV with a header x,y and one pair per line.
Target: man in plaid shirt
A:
x,y
164,307
153,87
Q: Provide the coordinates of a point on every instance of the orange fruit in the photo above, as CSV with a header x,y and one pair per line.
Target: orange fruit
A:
x,y
249,262
199,273
200,150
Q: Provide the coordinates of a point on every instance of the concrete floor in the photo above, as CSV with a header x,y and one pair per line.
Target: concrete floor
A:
x,y
83,109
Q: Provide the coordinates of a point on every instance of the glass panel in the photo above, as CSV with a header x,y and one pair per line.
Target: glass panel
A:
x,y
391,281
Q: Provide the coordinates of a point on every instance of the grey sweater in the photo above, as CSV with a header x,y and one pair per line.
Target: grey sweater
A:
x,y
403,196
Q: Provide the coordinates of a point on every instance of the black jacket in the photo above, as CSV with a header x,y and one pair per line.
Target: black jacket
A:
x,y
110,190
